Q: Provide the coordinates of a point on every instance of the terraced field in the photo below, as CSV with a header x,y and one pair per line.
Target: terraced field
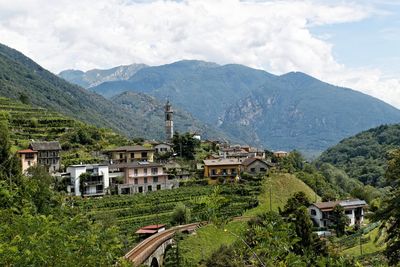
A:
x,y
131,212
27,122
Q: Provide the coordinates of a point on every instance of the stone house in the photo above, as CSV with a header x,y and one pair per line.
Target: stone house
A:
x,y
48,154
255,166
28,158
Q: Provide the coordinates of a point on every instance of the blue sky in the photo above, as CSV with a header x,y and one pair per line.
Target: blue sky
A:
x,y
347,43
371,42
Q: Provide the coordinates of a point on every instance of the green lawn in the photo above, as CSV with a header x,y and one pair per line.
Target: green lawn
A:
x,y
206,240
370,247
279,187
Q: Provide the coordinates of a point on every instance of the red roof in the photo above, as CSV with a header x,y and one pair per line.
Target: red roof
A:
x,y
24,151
153,227
150,229
143,231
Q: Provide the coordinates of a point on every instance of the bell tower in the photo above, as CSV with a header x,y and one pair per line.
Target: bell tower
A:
x,y
169,123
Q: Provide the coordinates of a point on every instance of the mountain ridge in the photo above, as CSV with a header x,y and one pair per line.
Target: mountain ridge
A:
x,y
290,111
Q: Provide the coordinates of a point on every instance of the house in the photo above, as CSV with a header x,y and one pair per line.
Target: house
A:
x,y
281,154
235,152
214,168
162,148
127,154
141,177
149,230
97,183
48,154
28,158
321,212
255,165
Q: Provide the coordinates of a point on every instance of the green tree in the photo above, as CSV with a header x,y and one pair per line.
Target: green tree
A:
x,y
299,199
184,145
9,163
389,212
340,220
180,215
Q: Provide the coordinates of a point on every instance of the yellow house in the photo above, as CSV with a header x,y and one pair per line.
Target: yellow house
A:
x,y
28,158
127,154
214,168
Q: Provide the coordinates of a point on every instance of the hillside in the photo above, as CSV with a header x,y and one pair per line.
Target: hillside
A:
x,y
150,114
292,111
364,155
20,77
209,238
27,122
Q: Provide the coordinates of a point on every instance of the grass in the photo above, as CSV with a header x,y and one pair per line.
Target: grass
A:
x,y
208,239
279,187
372,246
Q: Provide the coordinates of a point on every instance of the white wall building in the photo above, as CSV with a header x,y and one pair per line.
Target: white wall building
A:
x,y
321,212
97,184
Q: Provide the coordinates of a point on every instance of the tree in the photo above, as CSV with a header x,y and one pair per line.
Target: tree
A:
x,y
9,164
340,220
180,215
299,199
389,212
184,145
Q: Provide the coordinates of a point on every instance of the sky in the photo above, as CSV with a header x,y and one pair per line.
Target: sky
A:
x,y
354,44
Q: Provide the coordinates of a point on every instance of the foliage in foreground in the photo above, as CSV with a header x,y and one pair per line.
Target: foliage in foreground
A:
x,y
38,228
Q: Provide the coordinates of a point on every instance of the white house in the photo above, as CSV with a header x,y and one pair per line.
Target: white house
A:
x,y
96,185
321,212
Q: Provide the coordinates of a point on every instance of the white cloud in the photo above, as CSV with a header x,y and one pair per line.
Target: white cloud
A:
x,y
270,35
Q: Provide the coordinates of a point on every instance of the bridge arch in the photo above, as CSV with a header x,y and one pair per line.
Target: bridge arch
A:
x,y
154,263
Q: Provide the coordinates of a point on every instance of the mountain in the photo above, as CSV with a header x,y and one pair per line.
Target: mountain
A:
x,y
150,113
22,78
364,155
95,77
291,111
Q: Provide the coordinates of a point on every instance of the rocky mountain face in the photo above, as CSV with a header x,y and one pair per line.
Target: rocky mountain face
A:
x,y
292,111
150,112
95,77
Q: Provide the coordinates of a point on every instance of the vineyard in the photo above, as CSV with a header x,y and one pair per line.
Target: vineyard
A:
x,y
130,212
27,122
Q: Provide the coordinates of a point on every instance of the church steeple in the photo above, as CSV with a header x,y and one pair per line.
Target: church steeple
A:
x,y
169,123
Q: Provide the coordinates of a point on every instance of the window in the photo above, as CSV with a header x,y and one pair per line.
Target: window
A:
x,y
140,189
29,156
135,172
158,187
145,171
29,163
224,172
233,171
136,181
213,172
145,180
313,212
155,179
121,155
144,154
149,188
349,212
253,170
54,161
262,169
154,171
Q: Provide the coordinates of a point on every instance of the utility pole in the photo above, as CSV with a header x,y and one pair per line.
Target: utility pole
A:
x,y
270,198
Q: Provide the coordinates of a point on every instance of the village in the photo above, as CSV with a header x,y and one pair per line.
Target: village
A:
x,y
152,166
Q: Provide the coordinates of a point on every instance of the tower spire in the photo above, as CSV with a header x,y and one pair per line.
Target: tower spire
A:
x,y
169,123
